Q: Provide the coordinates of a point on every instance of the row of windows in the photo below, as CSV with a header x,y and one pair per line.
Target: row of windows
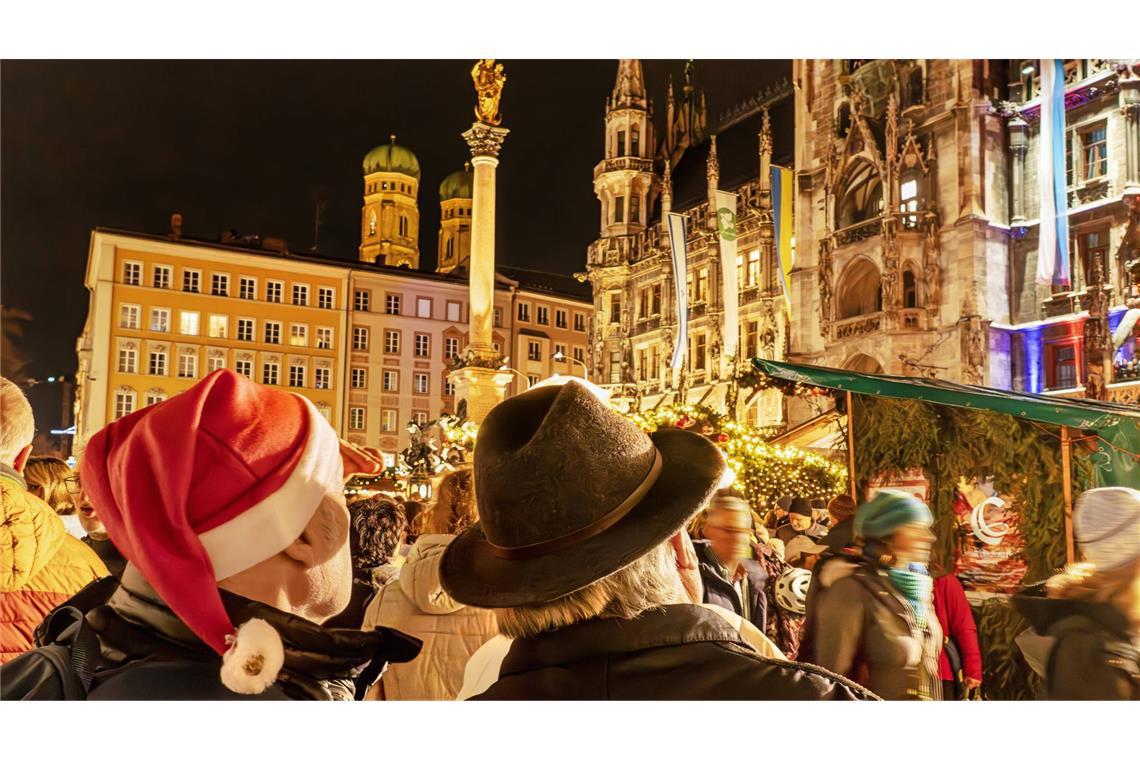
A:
x,y
187,366
162,275
393,186
126,402
218,326
389,418
649,297
542,316
390,380
393,303
454,212
421,346
534,352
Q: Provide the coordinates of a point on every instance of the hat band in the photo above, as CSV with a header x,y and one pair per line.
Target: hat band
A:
x,y
543,548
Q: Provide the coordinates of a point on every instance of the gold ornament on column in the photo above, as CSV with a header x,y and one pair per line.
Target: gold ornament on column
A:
x,y
489,80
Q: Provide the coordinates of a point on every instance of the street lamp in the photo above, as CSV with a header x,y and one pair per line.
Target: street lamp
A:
x,y
559,356
526,379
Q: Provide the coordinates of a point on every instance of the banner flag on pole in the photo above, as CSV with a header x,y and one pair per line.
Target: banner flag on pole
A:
x,y
726,231
782,216
676,223
1053,227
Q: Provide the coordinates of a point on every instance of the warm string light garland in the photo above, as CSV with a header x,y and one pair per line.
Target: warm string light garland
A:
x,y
764,471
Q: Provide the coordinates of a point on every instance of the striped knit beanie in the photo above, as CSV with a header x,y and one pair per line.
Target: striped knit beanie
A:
x,y
889,511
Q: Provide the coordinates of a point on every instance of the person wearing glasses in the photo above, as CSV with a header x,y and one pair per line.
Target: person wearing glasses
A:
x,y
58,485
95,535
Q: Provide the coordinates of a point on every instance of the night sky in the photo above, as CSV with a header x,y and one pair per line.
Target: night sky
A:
x,y
252,146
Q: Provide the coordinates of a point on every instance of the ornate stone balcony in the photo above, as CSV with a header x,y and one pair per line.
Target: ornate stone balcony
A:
x,y
643,326
853,327
697,311
625,163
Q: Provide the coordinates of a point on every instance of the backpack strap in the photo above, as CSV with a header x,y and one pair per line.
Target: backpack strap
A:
x,y
66,631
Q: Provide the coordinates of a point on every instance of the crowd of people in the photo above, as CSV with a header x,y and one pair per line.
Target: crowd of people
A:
x,y
204,549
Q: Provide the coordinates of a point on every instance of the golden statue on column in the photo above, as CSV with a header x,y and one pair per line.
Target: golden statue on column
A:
x,y
489,80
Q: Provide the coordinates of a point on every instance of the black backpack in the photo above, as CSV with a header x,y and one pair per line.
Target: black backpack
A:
x,y
61,668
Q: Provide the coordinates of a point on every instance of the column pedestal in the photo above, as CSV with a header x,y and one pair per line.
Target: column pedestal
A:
x,y
481,388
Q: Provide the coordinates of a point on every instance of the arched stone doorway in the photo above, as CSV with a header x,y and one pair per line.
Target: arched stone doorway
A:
x,y
868,365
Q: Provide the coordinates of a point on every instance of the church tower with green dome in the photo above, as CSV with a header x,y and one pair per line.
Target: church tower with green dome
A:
x,y
454,220
390,219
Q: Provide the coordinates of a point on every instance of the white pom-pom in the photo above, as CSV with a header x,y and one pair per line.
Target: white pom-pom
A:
x,y
254,658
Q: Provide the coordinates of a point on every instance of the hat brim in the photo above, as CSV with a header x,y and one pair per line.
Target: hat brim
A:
x,y
691,470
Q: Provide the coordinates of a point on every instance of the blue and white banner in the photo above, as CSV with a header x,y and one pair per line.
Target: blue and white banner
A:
x,y
1053,234
676,224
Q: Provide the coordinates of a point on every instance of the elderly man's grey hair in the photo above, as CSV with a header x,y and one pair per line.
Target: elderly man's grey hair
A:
x,y
17,425
650,581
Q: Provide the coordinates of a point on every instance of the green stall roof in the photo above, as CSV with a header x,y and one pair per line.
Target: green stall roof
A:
x,y
1117,426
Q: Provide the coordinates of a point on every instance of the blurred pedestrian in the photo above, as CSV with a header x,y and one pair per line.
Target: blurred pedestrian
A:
x,y
841,524
777,516
802,552
228,500
52,480
414,602
582,554
731,577
872,617
41,565
819,513
1091,610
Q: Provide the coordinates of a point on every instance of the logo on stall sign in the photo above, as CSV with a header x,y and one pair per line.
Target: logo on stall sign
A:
x,y
988,533
726,223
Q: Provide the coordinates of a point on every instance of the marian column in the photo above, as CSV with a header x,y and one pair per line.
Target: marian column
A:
x,y
479,381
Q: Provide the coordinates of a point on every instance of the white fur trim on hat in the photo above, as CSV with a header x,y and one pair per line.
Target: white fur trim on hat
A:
x,y
1107,523
272,524
254,658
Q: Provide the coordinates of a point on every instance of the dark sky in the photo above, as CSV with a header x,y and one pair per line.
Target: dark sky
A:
x,y
251,145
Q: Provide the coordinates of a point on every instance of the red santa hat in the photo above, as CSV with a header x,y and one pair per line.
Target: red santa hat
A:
x,y
209,483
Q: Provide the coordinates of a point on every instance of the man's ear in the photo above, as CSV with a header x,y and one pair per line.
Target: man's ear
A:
x,y
22,458
305,549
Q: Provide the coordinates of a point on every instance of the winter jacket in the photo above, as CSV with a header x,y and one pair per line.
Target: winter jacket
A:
x,y
1096,654
680,651
718,590
41,566
482,669
815,532
861,627
957,621
147,652
416,604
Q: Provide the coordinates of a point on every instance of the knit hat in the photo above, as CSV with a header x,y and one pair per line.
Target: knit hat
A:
x,y
784,502
889,511
800,506
841,508
1107,526
209,483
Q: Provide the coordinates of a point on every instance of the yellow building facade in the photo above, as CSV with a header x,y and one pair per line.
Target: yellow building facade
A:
x,y
165,312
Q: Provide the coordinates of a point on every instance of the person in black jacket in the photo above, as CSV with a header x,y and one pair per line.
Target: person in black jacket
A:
x,y
1091,611
581,551
731,578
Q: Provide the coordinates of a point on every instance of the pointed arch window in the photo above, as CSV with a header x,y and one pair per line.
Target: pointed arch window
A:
x,y
863,197
859,290
635,141
372,224
910,290
403,225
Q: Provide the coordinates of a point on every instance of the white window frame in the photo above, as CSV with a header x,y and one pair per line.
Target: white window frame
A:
x,y
195,318
252,324
302,289
212,323
456,308
324,337
295,371
166,280
279,287
251,290
151,398
322,378
362,300
129,316
359,377
268,324
156,311
356,418
389,304
389,420
425,339
246,365
190,361
542,315
163,355
266,364
534,351
299,334
579,322
326,297
390,381
392,341
360,338
561,319
196,276
124,403
422,305
450,348
225,280
128,361
215,362
422,383
135,268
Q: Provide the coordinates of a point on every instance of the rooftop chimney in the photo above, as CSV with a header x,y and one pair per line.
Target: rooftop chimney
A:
x,y
176,225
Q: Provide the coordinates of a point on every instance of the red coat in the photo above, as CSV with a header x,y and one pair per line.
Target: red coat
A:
x,y
957,622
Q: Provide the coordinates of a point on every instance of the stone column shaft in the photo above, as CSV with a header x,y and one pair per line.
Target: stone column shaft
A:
x,y
485,142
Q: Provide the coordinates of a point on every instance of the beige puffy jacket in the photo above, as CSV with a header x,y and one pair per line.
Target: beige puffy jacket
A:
x,y
416,604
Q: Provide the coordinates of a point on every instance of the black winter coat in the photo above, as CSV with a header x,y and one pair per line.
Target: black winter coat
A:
x,y
1095,654
720,592
146,652
680,651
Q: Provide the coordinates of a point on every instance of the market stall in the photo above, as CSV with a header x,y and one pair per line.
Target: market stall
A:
x,y
999,469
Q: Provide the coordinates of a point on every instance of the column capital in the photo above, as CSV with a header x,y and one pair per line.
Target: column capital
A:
x,y
485,140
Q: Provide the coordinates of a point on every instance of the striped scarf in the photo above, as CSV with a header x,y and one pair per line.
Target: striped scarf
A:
x,y
916,586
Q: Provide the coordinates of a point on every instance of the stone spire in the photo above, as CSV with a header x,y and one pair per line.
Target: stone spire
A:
x,y
666,189
712,177
629,87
